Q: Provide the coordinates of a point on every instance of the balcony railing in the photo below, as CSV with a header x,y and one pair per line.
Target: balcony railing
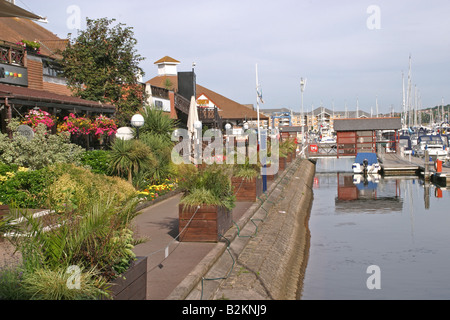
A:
x,y
12,54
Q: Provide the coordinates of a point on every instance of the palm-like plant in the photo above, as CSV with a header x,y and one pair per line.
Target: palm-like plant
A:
x,y
128,156
157,122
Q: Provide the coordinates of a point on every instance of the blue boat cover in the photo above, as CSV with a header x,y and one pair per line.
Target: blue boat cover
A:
x,y
371,157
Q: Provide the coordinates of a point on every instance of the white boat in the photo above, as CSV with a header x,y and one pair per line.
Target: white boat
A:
x,y
366,163
433,144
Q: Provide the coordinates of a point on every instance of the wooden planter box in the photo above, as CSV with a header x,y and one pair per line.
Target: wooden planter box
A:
x,y
282,164
271,177
207,225
133,284
289,158
247,190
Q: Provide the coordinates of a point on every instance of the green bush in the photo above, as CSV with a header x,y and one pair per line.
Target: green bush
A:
x,y
161,148
21,187
73,188
211,185
96,160
43,150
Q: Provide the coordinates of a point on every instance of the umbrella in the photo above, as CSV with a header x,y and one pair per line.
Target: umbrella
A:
x,y
193,119
8,9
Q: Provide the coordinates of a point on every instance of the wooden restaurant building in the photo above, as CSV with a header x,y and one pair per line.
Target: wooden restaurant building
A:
x,y
31,78
367,135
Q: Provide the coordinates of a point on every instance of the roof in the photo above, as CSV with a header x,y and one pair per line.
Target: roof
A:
x,y
17,29
167,59
22,95
8,9
292,128
229,109
367,124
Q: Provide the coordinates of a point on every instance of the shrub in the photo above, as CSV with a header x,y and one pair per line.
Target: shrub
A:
x,y
161,148
21,187
43,150
96,160
73,188
130,156
211,184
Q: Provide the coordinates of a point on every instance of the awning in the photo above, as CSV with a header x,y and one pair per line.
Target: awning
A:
x,y
26,96
7,9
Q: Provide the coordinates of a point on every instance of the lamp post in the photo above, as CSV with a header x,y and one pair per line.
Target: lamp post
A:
x,y
302,87
137,121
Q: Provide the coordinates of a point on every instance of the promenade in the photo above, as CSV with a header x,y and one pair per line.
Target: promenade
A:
x,y
176,269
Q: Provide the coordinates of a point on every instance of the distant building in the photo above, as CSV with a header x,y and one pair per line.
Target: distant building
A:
x,y
174,89
312,120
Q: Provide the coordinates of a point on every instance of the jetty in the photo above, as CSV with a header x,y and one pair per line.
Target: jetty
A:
x,y
393,164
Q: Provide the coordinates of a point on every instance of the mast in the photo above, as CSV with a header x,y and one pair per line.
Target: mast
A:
x,y
257,104
376,105
408,96
404,103
357,108
415,105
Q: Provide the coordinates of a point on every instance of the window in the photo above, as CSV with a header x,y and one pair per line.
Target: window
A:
x,y
159,104
51,68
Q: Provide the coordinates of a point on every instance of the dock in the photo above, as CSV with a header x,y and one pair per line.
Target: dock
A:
x,y
393,164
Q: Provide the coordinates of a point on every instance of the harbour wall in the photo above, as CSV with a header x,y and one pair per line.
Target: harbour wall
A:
x,y
272,263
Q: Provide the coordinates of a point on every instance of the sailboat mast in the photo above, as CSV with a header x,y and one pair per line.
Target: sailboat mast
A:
x,y
408,96
404,104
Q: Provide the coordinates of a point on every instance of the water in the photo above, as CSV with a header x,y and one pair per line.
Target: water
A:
x,y
401,225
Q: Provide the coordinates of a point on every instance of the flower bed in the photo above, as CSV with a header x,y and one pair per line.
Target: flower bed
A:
x,y
153,192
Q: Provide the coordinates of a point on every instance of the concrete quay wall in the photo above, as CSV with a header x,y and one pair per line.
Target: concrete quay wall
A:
x,y
268,258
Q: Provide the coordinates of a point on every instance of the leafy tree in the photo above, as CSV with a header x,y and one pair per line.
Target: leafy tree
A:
x,y
102,64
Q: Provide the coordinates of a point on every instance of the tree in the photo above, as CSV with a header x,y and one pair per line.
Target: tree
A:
x,y
102,64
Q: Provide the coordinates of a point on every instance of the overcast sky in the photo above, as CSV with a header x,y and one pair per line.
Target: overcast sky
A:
x,y
347,50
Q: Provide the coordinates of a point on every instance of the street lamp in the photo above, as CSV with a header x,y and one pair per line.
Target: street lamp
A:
x,y
137,121
302,87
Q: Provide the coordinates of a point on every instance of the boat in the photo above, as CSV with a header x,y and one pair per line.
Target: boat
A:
x,y
366,163
433,144
405,144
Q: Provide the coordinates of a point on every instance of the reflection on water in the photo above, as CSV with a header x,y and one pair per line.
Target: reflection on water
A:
x,y
400,224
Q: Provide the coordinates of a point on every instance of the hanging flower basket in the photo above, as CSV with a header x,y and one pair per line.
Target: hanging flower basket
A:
x,y
34,117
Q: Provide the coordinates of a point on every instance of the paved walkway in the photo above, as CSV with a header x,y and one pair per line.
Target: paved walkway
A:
x,y
169,261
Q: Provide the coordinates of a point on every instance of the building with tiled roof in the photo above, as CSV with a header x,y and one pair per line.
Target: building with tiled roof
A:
x,y
31,77
229,110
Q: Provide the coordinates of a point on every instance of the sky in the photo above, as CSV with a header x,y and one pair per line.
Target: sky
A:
x,y
350,52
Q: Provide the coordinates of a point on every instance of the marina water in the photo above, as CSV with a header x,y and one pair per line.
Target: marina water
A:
x,y
400,225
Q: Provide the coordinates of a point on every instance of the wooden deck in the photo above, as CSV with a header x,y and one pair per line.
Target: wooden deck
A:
x,y
394,164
